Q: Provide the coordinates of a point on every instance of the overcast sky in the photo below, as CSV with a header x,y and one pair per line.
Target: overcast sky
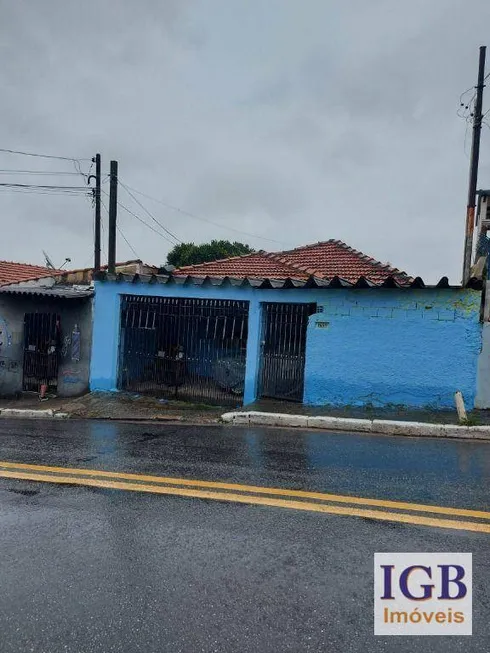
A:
x,y
291,120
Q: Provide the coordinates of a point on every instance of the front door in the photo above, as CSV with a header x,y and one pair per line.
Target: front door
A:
x,y
42,339
282,366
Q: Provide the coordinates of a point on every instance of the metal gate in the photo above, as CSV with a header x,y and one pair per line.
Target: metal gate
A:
x,y
183,348
283,350
42,343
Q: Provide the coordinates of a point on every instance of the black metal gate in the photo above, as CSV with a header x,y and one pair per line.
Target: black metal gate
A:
x,y
42,343
183,348
283,350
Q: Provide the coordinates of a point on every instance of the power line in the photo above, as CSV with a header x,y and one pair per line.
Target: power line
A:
x,y
42,156
8,171
198,217
471,88
44,187
41,192
85,176
39,189
149,213
127,241
103,235
122,233
140,219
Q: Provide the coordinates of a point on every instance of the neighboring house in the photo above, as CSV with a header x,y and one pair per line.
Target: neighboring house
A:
x,y
45,331
46,327
45,339
11,272
322,324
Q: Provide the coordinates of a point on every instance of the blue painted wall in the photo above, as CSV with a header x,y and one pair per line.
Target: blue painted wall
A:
x,y
381,346
412,348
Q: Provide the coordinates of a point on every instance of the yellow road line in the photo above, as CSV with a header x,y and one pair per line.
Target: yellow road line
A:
x,y
254,500
216,485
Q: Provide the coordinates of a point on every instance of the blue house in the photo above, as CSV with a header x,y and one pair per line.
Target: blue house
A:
x,y
322,324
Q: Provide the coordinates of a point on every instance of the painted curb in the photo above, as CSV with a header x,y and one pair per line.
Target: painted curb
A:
x,y
340,424
383,426
236,418
26,412
277,419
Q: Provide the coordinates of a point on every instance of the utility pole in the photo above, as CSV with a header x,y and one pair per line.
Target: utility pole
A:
x,y
97,213
111,267
96,191
475,156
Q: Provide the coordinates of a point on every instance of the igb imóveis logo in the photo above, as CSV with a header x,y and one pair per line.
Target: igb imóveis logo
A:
x,y
422,594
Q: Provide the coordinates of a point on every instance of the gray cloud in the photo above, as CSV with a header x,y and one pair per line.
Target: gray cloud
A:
x,y
295,121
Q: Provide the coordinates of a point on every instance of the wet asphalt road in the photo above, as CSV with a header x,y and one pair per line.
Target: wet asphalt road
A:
x,y
90,569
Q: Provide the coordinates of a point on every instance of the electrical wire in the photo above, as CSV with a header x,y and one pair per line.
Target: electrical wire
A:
x,y
471,88
466,109
465,138
122,233
38,192
84,176
167,231
102,245
40,189
140,219
8,171
44,187
198,217
127,241
42,156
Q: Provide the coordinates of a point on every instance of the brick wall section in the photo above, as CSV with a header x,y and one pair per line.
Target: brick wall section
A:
x,y
394,348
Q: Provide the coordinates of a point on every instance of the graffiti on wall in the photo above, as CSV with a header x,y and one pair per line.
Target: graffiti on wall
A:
x,y
75,344
65,346
5,335
71,376
71,345
5,342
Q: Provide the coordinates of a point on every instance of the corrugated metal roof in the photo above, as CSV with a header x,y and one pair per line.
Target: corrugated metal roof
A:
x,y
56,292
264,283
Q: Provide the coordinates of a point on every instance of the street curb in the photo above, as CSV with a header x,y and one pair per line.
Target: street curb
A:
x,y
32,412
384,426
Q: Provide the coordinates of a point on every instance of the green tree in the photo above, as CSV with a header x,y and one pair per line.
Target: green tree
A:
x,y
191,254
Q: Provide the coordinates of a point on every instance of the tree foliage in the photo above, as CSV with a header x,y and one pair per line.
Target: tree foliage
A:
x,y
191,254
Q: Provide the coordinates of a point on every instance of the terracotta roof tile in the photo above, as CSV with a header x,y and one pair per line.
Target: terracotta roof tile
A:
x,y
258,265
11,272
324,260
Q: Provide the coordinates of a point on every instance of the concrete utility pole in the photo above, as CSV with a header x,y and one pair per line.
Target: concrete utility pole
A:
x,y
475,156
111,267
96,159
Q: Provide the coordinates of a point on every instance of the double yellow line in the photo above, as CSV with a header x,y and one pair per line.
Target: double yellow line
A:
x,y
379,509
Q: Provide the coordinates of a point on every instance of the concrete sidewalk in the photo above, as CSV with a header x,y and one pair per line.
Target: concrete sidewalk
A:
x,y
126,406
371,412
111,406
384,426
